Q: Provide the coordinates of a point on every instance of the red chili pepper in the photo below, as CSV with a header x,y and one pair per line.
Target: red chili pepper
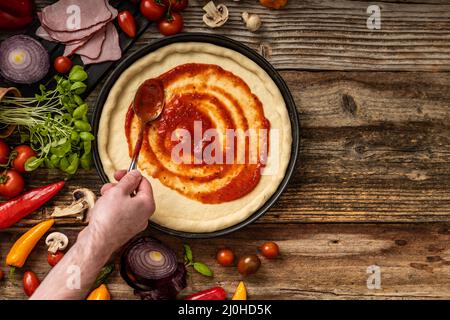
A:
x,y
216,293
15,14
23,205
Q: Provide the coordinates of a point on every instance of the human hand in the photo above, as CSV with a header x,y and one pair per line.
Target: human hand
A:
x,y
117,216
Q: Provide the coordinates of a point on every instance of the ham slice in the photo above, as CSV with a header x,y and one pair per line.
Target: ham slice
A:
x,y
111,48
76,35
92,12
90,48
96,40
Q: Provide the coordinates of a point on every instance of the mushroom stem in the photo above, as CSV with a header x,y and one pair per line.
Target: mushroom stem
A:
x,y
211,10
215,16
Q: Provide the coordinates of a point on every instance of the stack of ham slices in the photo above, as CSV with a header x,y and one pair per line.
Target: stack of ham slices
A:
x,y
84,26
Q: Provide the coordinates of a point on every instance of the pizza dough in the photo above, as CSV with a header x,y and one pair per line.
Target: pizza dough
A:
x,y
173,209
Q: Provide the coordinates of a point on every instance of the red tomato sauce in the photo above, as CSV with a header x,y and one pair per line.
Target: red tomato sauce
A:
x,y
181,112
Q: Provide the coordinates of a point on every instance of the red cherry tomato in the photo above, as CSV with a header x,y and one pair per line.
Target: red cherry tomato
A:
x,y
269,250
54,258
127,23
153,10
4,152
11,184
2,274
177,5
225,257
171,25
62,64
30,283
23,154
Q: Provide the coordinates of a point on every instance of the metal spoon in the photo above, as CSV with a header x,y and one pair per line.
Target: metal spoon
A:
x,y
148,105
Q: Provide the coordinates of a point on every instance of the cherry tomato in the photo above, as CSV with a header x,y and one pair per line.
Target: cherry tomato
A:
x,y
225,257
171,25
127,23
269,250
177,5
153,10
62,64
248,264
54,258
30,283
4,152
23,154
11,184
2,274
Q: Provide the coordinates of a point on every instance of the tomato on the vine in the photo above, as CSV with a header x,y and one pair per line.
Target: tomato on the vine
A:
x,y
11,184
4,152
23,153
177,5
62,64
172,24
153,10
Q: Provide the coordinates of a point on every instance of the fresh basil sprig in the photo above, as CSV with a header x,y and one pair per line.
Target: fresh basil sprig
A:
x,y
200,267
54,122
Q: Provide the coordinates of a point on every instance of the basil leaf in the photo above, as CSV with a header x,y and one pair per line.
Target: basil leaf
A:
x,y
33,163
188,253
203,269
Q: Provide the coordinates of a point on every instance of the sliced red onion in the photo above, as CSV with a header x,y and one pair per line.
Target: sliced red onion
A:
x,y
151,268
23,60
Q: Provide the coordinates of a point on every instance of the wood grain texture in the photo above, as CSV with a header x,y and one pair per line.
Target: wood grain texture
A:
x,y
317,262
333,35
374,147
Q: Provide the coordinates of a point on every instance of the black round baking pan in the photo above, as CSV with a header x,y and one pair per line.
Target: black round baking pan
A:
x,y
230,44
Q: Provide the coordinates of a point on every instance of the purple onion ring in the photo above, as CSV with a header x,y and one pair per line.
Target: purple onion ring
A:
x,y
23,60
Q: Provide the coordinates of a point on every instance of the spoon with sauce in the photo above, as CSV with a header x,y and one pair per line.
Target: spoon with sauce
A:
x,y
148,105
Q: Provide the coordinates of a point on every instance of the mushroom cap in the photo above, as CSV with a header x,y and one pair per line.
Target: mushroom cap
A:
x,y
87,194
56,241
215,16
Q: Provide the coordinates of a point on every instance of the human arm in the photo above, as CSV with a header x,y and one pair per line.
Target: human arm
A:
x,y
115,219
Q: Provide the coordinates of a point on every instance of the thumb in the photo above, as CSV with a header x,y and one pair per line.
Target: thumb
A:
x,y
130,182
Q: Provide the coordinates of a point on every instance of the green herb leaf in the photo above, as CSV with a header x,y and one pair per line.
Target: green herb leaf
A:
x,y
203,269
188,253
103,275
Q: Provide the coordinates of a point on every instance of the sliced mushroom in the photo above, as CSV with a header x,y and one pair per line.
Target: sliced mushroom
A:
x,y
215,16
56,241
84,200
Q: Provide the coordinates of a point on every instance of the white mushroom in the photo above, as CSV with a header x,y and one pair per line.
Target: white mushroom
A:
x,y
56,241
252,21
84,200
215,16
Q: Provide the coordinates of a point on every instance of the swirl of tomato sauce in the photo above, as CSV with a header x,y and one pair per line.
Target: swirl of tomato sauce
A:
x,y
203,100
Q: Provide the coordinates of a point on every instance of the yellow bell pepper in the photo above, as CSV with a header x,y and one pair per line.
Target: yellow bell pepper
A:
x,y
241,292
26,243
101,293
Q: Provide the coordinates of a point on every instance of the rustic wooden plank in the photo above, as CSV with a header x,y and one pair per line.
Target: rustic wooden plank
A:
x,y
374,147
332,34
317,262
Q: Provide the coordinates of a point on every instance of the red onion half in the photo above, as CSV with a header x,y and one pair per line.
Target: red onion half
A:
x,y
23,60
151,268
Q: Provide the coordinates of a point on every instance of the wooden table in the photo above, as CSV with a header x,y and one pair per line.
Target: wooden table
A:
x,y
372,184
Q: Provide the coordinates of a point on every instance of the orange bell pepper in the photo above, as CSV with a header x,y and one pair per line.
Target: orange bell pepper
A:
x,y
241,292
26,243
101,293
